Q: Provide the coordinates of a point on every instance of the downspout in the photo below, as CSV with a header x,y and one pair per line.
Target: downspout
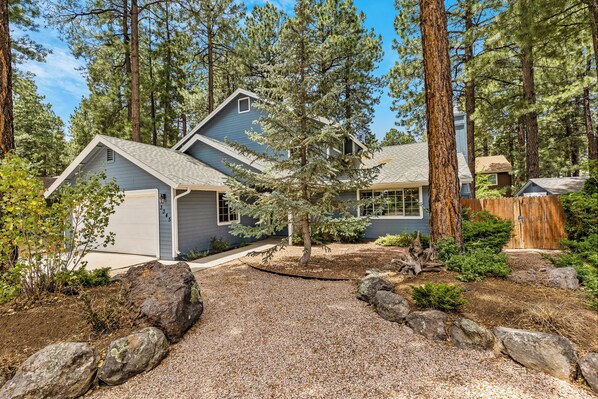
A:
x,y
175,221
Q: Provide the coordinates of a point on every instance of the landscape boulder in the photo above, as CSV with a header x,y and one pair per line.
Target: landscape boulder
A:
x,y
60,371
524,276
563,277
467,334
167,297
369,285
589,370
133,354
430,323
391,306
550,353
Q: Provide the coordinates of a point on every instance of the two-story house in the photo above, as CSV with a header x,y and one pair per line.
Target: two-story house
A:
x,y
174,198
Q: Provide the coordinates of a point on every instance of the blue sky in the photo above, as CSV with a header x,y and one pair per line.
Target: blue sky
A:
x,y
61,78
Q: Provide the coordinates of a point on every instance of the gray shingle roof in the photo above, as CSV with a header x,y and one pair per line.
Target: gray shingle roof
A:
x,y
408,163
181,169
560,185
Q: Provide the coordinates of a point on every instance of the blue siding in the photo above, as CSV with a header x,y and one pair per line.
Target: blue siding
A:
x,y
214,158
230,125
461,133
197,220
130,177
534,188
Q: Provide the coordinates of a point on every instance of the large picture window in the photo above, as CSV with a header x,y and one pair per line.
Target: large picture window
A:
x,y
400,202
225,213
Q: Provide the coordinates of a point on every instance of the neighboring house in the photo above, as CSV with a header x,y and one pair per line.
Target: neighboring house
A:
x,y
174,198
497,168
551,186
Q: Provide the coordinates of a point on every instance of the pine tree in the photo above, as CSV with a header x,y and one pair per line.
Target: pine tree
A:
x,y
6,116
305,173
397,137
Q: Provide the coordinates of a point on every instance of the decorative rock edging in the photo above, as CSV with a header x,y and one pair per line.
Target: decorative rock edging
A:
x,y
550,353
67,370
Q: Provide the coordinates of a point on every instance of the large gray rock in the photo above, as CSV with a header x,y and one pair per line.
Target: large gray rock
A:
x,y
467,334
550,353
563,277
589,370
369,285
166,297
60,371
391,306
133,354
524,276
430,323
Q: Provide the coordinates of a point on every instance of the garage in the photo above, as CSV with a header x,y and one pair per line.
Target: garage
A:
x,y
135,224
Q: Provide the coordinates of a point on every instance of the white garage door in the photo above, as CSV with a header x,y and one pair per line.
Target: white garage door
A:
x,y
135,224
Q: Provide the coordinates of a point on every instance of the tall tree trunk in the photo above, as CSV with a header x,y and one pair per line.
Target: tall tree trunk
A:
x,y
445,206
168,84
593,10
485,147
184,124
210,68
470,97
127,46
7,140
531,116
573,148
590,132
152,94
135,96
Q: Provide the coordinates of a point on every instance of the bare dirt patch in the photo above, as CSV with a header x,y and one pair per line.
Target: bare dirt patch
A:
x,y
492,301
26,329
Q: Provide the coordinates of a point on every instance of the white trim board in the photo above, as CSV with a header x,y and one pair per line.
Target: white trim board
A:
x,y
218,222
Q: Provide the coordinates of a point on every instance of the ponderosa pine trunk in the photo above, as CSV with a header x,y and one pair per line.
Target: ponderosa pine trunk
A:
x,y
168,87
152,94
589,127
210,68
135,95
593,11
7,139
127,47
445,206
470,99
531,116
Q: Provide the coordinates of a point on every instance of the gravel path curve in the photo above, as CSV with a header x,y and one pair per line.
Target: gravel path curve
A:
x,y
268,336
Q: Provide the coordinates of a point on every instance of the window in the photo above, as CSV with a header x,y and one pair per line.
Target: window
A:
x,y
244,105
402,202
225,213
110,155
492,179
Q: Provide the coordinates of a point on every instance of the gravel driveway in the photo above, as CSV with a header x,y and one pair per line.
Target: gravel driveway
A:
x,y
267,336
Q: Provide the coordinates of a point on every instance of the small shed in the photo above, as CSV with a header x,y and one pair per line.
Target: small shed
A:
x,y
551,186
497,168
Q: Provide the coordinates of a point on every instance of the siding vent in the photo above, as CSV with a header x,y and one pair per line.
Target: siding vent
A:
x,y
244,105
110,155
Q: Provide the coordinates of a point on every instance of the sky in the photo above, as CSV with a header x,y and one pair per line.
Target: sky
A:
x,y
61,80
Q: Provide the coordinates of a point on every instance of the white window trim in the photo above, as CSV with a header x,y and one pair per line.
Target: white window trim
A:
x,y
218,222
421,204
239,105
495,178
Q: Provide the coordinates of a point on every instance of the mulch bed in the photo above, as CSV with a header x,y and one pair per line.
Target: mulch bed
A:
x,y
492,301
25,329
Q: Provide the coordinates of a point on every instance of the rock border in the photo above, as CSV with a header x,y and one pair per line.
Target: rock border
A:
x,y
550,353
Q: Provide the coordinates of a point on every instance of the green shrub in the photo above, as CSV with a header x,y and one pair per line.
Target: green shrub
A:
x,y
217,244
447,248
477,264
439,296
103,316
401,240
83,278
482,230
345,230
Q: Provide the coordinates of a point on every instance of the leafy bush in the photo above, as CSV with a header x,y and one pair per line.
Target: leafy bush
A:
x,y
447,248
482,230
439,296
52,238
217,245
477,264
401,240
83,278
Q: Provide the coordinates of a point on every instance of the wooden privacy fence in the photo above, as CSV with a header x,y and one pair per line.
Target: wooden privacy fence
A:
x,y
539,222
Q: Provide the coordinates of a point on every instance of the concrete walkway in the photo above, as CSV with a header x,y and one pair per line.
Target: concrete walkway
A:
x,y
120,263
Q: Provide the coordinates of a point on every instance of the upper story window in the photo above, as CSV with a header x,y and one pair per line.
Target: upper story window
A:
x,y
244,105
109,155
400,202
225,213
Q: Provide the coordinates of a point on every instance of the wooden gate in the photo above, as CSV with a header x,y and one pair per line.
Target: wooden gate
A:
x,y
539,222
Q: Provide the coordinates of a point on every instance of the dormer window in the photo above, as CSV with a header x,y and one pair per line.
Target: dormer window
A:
x,y
110,155
244,105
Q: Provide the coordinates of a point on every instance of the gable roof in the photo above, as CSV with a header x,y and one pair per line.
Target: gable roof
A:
x,y
172,167
408,163
556,185
492,164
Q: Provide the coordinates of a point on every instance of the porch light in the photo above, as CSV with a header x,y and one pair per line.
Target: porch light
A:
x,y
162,198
